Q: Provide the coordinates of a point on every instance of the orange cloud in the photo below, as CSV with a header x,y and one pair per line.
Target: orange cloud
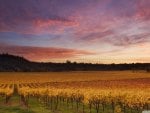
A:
x,y
42,53
51,22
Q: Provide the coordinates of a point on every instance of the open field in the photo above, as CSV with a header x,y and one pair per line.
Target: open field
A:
x,y
37,77
75,92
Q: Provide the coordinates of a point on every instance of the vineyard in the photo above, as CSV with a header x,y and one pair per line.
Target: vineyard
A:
x,y
129,95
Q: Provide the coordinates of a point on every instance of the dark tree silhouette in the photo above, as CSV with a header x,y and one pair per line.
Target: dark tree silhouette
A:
x,y
19,64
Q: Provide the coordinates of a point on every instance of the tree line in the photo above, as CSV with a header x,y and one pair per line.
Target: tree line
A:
x,y
11,63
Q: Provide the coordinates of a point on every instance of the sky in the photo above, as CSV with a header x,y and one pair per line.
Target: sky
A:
x,y
92,31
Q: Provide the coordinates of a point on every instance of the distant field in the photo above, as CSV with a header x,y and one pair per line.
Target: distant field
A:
x,y
28,77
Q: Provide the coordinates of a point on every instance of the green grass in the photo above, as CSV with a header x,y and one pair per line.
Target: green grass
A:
x,y
14,106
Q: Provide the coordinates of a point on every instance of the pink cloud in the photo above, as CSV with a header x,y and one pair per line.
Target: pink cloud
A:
x,y
129,27
51,26
38,26
50,22
43,53
143,10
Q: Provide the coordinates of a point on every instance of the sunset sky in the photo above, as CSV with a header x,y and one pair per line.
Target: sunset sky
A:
x,y
97,31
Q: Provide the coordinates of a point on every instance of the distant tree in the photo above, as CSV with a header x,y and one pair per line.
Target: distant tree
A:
x,y
68,62
74,62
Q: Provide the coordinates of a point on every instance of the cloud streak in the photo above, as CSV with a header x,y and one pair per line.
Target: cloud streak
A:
x,y
43,53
